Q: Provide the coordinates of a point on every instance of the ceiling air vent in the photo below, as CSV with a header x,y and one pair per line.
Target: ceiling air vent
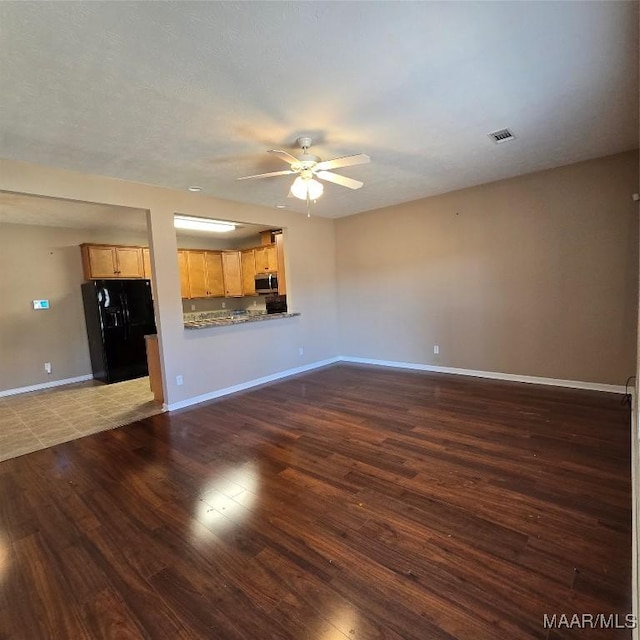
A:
x,y
503,135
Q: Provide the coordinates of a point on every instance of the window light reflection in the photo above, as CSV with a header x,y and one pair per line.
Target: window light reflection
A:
x,y
4,557
345,621
224,502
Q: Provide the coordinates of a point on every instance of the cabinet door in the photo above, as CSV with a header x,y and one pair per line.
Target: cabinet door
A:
x,y
262,260
282,280
101,262
272,257
266,259
215,279
184,274
197,274
248,260
129,262
232,270
146,262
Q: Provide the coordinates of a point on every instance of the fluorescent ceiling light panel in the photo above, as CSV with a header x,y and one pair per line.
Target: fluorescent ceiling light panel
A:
x,y
202,224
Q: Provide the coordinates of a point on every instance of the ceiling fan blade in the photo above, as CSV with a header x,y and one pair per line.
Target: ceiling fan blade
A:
x,y
286,172
343,181
287,157
347,161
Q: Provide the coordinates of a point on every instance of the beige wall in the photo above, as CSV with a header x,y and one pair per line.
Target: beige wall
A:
x,y
40,262
216,358
44,263
534,275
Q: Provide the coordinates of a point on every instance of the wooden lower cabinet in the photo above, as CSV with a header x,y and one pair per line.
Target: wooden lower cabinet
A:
x,y
155,370
232,270
248,261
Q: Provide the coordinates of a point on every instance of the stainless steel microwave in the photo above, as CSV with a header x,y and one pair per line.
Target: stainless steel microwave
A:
x,y
267,283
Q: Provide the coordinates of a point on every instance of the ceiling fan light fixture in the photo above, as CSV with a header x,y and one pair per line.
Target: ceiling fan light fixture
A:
x,y
306,188
193,223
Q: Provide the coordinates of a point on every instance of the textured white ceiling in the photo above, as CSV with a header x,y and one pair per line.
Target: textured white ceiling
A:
x,y
183,93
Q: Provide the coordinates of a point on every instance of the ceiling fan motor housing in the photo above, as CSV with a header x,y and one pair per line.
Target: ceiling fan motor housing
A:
x,y
304,142
307,161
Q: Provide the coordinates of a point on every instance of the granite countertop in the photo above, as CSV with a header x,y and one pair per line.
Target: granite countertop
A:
x,y
208,319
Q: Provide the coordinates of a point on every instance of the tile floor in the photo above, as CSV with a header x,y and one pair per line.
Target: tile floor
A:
x,y
40,419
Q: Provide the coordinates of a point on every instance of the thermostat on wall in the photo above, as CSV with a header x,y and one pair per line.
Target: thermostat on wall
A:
x,y
40,304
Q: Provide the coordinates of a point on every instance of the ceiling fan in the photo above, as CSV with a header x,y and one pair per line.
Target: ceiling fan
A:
x,y
310,167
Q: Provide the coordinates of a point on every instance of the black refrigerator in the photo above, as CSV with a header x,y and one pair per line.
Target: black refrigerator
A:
x,y
119,314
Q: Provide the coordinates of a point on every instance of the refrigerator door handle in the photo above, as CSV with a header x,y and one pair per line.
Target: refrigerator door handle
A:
x,y
125,314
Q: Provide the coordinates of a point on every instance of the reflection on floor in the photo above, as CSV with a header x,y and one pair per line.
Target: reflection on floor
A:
x,y
40,419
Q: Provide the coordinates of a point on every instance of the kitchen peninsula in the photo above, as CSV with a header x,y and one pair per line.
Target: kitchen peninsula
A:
x,y
208,319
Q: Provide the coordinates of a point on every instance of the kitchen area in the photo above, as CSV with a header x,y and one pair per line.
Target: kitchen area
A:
x,y
53,250
236,279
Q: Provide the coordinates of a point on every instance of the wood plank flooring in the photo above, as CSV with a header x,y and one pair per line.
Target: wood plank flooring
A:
x,y
348,503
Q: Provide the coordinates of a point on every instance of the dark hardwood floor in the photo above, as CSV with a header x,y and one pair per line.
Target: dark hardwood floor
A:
x,y
349,503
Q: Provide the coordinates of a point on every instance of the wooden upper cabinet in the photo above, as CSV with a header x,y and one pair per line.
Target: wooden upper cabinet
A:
x,y
203,274
266,259
184,274
107,261
130,262
282,280
232,269
146,262
196,266
248,260
215,278
98,262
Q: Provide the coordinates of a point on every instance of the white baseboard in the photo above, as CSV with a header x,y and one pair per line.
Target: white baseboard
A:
x,y
554,382
44,385
247,385
573,384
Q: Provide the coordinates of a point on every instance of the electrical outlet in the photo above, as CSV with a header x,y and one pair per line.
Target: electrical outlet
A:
x,y
193,307
436,349
255,303
179,380
300,351
224,305
47,367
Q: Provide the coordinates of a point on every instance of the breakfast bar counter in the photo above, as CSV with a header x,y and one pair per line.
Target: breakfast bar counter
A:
x,y
215,319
